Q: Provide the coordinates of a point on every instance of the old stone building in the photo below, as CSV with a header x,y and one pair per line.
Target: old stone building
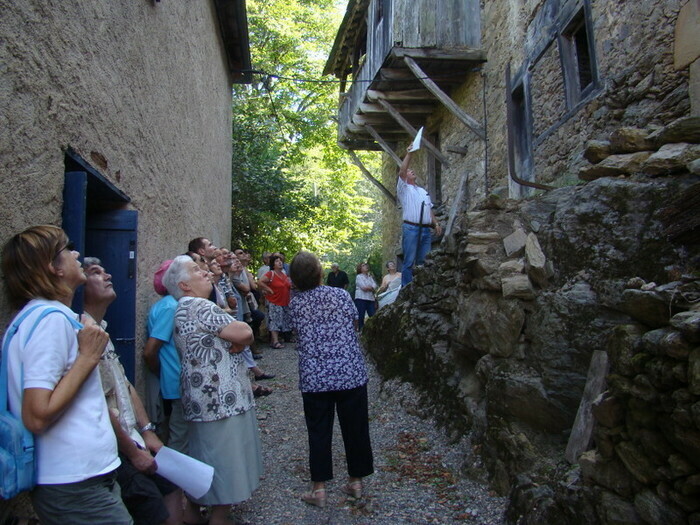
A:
x,y
116,125
570,70
554,328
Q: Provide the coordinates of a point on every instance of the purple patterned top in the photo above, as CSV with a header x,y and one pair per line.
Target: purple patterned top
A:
x,y
330,357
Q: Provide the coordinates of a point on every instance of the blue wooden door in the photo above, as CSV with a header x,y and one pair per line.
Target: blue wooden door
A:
x,y
111,236
97,227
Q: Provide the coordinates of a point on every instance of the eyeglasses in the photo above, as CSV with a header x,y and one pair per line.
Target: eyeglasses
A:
x,y
69,246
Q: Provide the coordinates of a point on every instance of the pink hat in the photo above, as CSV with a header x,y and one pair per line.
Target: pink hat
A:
x,y
158,278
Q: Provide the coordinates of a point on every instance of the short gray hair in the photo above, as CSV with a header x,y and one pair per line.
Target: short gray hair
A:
x,y
176,274
91,261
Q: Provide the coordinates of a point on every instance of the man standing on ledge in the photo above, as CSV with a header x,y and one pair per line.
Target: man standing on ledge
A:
x,y
418,219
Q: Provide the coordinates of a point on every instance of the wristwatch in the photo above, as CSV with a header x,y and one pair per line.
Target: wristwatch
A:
x,y
146,428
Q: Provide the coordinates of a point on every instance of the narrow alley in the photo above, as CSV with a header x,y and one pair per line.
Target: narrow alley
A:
x,y
416,477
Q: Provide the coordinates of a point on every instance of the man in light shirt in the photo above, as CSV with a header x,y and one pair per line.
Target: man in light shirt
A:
x,y
418,219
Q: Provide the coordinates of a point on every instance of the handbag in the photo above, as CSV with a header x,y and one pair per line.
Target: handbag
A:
x,y
17,458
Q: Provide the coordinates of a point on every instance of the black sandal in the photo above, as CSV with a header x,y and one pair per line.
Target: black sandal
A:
x,y
260,391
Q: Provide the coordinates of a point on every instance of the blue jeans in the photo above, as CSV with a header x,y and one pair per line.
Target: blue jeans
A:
x,y
413,255
363,306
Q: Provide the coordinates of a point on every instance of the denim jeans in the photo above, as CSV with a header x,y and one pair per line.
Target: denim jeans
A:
x,y
364,306
413,254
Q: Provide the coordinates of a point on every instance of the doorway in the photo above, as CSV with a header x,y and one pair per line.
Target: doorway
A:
x,y
97,221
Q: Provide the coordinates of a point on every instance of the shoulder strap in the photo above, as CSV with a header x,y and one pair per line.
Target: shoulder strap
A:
x,y
11,331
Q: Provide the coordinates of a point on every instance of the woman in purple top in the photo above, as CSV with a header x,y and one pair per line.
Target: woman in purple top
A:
x,y
332,377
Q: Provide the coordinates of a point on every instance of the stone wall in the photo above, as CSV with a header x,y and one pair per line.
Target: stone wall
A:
x,y
141,91
500,325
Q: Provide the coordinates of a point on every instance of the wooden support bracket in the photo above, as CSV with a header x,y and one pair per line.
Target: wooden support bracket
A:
x,y
443,97
356,160
412,132
384,144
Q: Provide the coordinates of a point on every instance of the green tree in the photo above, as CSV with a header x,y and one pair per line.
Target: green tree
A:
x,y
293,187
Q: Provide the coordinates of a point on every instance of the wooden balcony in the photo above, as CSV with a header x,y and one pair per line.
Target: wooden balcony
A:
x,y
416,52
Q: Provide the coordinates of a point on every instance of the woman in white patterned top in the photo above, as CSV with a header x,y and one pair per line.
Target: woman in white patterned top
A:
x,y
217,398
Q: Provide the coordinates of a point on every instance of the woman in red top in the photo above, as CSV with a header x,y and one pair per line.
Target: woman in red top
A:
x,y
276,285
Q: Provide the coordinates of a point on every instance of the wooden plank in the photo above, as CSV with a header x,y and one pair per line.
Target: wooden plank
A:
x,y
457,203
469,54
420,109
369,177
445,99
412,131
387,73
582,431
408,94
384,145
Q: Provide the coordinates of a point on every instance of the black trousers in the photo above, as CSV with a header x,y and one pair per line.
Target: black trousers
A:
x,y
319,411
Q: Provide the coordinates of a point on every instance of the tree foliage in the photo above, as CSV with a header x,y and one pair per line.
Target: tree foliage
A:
x,y
293,187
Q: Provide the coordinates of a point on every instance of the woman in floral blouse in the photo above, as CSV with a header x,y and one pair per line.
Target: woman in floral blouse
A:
x,y
217,398
332,377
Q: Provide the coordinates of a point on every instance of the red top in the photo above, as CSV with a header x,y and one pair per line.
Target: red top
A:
x,y
280,285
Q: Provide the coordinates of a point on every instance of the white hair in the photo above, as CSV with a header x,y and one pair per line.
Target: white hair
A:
x,y
176,274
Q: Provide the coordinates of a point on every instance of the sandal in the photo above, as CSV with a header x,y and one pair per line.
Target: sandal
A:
x,y
264,376
354,489
276,345
315,497
261,391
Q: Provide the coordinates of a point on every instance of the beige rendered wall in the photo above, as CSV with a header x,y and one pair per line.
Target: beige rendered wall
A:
x,y
141,91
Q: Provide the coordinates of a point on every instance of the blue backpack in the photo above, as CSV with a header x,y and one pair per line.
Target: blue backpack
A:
x,y
17,465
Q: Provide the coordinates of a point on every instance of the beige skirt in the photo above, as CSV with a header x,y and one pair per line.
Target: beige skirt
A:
x,y
232,447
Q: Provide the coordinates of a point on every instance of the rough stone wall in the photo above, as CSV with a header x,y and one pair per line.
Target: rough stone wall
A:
x,y
500,325
138,89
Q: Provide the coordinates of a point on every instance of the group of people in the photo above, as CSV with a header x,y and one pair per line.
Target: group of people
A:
x,y
96,441
368,296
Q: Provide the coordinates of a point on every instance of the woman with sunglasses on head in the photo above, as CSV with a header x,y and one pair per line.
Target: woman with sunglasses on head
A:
x,y
54,384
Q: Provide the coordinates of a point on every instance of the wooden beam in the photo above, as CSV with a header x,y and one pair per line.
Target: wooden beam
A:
x,y
457,204
412,132
384,145
469,55
445,99
403,108
407,94
387,73
356,160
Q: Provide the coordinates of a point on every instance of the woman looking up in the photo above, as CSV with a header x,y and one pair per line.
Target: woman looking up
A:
x,y
54,384
276,286
217,399
365,285
332,378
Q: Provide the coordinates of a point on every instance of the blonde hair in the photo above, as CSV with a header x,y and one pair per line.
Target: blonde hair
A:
x,y
25,265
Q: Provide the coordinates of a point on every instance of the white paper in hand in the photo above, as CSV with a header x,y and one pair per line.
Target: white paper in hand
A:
x,y
416,141
191,475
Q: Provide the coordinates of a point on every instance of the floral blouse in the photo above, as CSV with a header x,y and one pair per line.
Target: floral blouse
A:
x,y
214,383
330,357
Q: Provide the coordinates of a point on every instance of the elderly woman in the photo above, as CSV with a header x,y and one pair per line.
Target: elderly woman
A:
x,y
276,286
332,377
216,395
391,285
365,285
54,384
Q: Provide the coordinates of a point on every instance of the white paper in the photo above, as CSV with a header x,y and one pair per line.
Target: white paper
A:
x,y
191,475
416,141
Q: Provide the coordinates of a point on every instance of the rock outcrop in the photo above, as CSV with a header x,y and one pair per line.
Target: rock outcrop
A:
x,y
499,328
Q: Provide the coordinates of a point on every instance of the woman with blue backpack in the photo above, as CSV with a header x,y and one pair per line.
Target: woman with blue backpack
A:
x,y
53,385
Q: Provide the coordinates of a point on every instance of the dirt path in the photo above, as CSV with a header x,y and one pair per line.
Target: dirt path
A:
x,y
415,478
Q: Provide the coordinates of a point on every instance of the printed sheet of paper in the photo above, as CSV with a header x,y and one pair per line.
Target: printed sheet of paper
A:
x,y
191,475
416,141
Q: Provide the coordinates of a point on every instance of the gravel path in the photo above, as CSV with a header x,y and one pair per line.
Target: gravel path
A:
x,y
416,471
